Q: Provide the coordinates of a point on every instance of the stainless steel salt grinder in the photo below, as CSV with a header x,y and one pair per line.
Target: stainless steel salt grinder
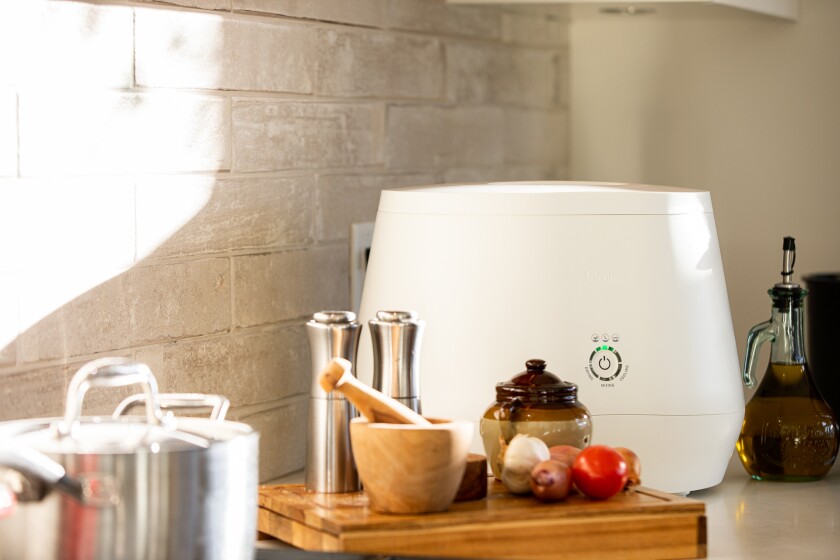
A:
x,y
396,355
329,459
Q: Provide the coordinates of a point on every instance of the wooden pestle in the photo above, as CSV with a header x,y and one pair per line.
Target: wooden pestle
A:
x,y
374,405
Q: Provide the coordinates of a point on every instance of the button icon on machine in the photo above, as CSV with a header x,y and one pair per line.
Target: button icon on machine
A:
x,y
605,363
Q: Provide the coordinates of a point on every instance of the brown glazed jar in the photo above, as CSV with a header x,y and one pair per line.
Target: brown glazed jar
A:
x,y
536,403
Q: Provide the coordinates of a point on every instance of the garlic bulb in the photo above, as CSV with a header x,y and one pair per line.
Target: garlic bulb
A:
x,y
522,455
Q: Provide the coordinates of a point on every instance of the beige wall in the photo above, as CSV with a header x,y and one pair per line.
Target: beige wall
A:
x,y
177,179
745,106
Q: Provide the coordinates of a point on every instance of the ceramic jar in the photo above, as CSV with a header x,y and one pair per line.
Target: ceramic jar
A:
x,y
536,403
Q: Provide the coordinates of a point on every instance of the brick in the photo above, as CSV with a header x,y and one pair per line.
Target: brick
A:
x,y
178,300
33,394
77,315
172,216
281,286
376,64
535,136
41,393
145,304
488,73
535,30
44,340
211,51
342,200
8,352
8,133
250,368
369,13
272,135
282,437
437,17
94,321
96,133
66,43
421,136
188,215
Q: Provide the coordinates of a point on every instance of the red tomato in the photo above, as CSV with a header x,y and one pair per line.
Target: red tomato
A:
x,y
600,472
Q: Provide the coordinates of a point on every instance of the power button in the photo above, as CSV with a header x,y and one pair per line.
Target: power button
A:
x,y
605,363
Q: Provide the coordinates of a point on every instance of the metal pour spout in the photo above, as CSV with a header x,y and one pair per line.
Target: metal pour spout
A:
x,y
788,260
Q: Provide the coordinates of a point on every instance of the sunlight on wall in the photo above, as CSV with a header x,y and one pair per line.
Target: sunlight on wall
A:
x,y
45,43
61,238
69,211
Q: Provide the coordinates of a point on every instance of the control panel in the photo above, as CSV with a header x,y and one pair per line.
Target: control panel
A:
x,y
605,362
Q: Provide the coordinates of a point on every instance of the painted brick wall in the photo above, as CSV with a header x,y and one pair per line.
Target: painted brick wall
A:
x,y
177,179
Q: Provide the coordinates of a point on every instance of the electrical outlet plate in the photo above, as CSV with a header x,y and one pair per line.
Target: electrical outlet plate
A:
x,y
361,236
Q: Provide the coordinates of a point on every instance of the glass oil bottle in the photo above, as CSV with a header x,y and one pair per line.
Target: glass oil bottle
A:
x,y
789,432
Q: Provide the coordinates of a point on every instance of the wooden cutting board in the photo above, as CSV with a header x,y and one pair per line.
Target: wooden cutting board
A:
x,y
640,525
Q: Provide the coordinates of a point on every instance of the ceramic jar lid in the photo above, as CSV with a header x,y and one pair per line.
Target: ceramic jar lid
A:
x,y
535,384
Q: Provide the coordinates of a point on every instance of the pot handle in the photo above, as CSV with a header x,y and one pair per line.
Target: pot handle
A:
x,y
91,489
109,372
217,403
26,460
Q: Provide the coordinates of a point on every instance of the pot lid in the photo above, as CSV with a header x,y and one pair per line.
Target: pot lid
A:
x,y
156,432
95,435
536,384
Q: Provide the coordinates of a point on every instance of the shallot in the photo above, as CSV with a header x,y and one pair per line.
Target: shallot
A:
x,y
551,480
564,453
634,467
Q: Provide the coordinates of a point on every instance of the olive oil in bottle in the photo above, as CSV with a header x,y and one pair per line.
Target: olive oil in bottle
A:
x,y
789,432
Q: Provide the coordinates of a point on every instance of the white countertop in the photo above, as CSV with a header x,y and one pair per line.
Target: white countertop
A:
x,y
758,519
745,519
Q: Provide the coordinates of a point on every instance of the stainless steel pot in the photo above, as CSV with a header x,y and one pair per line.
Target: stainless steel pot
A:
x,y
129,487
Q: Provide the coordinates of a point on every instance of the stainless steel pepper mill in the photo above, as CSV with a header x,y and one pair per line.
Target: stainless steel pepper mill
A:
x,y
329,458
396,355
